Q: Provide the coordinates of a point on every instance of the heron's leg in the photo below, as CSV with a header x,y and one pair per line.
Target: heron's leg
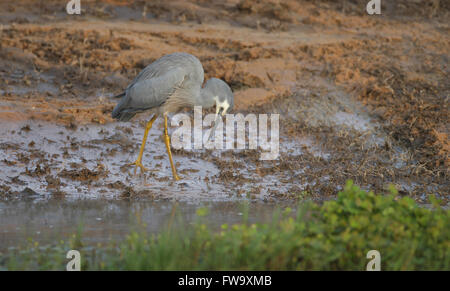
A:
x,y
167,140
138,162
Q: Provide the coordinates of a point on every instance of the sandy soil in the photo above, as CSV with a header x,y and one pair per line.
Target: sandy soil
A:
x,y
361,97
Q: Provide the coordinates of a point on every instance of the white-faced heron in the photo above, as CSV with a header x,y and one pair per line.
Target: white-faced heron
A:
x,y
167,85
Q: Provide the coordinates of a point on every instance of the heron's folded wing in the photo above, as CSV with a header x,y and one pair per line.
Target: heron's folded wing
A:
x,y
152,92
163,66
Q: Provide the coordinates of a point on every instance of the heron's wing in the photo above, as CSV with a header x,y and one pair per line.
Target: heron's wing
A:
x,y
165,65
150,90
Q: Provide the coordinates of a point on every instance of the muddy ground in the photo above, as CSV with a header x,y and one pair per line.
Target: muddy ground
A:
x,y
361,97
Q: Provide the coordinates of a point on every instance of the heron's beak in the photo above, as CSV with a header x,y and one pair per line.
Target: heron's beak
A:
x,y
219,113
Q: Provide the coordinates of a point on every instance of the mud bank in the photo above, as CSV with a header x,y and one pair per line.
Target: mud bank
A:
x,y
360,97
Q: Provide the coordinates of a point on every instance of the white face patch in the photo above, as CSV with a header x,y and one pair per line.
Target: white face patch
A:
x,y
225,105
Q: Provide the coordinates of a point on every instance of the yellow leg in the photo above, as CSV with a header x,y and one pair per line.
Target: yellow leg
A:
x,y
138,162
167,140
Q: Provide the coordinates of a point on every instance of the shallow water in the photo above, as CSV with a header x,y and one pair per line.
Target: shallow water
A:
x,y
101,221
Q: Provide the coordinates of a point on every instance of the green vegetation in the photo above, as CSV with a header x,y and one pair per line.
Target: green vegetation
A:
x,y
333,236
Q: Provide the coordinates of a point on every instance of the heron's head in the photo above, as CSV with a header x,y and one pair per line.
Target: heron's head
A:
x,y
217,92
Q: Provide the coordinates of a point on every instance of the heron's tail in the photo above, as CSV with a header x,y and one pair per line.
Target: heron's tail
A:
x,y
125,116
120,95
121,112
122,115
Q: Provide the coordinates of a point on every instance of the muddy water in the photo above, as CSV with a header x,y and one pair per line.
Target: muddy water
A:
x,y
102,221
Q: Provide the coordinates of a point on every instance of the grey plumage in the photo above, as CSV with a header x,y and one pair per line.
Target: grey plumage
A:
x,y
168,84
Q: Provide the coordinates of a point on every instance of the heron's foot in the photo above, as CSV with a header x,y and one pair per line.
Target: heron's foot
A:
x,y
176,177
138,164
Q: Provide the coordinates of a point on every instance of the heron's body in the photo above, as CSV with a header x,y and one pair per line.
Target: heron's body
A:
x,y
166,85
170,83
